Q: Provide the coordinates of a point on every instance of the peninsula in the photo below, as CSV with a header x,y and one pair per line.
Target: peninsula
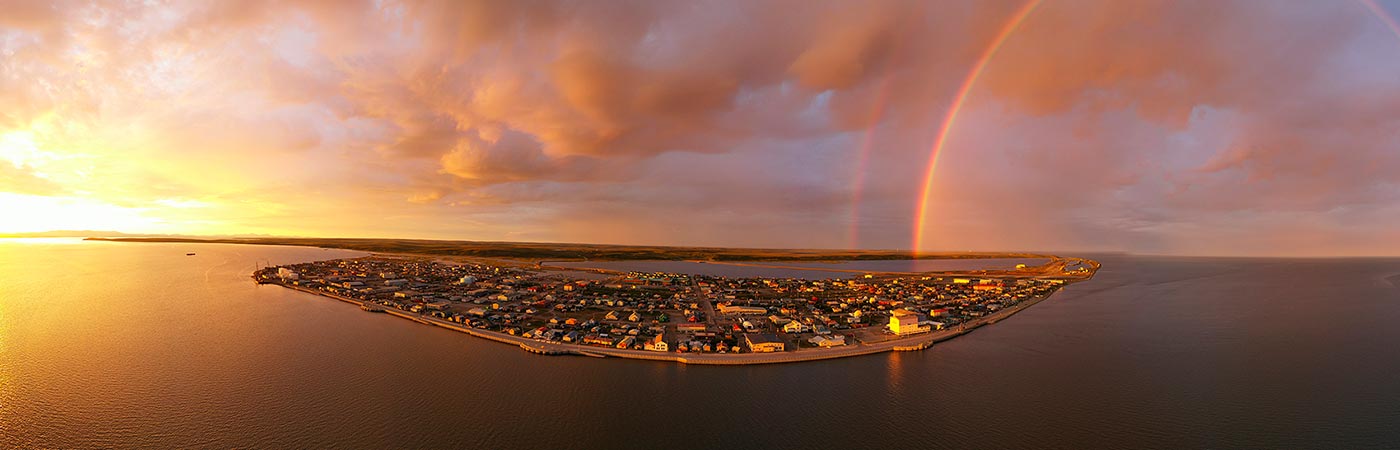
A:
x,y
492,291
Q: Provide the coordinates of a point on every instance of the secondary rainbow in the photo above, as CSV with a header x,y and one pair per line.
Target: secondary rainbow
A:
x,y
952,115
1383,16
876,115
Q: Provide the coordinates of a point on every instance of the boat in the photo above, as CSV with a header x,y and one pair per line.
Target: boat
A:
x,y
189,254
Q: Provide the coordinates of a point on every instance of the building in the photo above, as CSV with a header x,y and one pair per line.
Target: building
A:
x,y
828,341
287,274
764,342
598,340
904,322
658,344
727,309
795,326
693,327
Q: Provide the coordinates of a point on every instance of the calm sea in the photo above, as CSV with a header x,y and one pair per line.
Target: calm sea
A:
x,y
137,345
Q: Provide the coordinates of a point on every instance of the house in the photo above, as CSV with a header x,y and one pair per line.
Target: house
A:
x,y
795,327
612,315
828,341
692,327
635,317
764,342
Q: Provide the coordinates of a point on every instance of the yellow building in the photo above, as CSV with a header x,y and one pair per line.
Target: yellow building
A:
x,y
764,343
727,309
905,322
658,344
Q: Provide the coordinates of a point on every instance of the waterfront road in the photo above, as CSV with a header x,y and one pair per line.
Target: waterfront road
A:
x,y
537,346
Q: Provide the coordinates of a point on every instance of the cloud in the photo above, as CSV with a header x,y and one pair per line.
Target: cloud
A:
x,y
22,180
1109,124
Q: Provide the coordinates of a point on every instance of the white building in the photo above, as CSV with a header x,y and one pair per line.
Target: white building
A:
x,y
287,274
828,341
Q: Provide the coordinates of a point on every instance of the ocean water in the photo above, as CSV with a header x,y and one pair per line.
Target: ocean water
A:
x,y
110,345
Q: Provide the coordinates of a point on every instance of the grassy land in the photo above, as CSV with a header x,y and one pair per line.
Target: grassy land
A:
x,y
557,251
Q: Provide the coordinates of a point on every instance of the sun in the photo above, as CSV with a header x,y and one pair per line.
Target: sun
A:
x,y
25,212
29,213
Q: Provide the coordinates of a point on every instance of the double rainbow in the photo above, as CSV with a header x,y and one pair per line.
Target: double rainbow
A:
x,y
951,116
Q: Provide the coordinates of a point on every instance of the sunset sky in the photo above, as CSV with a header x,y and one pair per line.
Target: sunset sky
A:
x,y
1185,127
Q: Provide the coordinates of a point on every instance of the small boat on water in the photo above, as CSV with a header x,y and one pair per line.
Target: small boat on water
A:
x,y
189,254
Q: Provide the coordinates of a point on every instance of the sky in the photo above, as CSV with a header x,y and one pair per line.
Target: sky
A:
x,y
1213,127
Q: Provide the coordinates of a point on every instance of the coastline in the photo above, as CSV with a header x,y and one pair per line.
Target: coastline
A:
x,y
912,343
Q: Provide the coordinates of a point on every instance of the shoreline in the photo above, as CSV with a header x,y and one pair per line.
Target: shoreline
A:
x,y
912,343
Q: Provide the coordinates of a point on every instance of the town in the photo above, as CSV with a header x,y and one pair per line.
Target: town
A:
x,y
664,312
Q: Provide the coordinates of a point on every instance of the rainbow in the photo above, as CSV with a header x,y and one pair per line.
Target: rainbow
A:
x,y
921,218
876,113
1383,16
951,116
